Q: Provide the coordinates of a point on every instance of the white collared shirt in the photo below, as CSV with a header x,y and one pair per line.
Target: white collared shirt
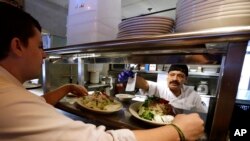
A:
x,y
188,100
27,117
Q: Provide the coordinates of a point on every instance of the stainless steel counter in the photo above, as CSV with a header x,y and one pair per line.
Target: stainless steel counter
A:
x,y
117,120
37,91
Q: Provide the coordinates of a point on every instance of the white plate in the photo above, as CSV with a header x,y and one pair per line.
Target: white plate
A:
x,y
125,97
31,85
149,18
100,111
149,23
204,10
145,30
201,15
145,20
135,36
145,27
141,33
191,4
217,22
140,36
133,109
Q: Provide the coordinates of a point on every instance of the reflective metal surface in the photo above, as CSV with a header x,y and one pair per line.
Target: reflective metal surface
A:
x,y
224,46
189,42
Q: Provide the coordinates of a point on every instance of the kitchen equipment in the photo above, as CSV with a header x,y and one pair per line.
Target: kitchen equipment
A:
x,y
107,80
94,77
94,70
202,88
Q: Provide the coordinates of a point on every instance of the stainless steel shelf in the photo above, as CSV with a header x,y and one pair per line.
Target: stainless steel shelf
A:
x,y
189,73
203,74
208,41
89,86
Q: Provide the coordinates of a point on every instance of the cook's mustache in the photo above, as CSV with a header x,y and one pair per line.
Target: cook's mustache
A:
x,y
175,82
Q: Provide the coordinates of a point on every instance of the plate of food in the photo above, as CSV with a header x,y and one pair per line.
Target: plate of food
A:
x,y
99,102
153,110
30,85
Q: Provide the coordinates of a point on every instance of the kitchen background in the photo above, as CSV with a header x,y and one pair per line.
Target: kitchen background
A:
x,y
54,23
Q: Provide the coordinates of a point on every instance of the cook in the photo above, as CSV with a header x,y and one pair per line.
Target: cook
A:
x,y
174,90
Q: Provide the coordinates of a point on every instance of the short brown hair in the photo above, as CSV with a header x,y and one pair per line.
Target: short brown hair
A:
x,y
15,23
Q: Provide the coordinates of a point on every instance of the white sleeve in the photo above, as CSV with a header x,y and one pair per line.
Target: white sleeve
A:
x,y
122,135
200,106
31,119
88,132
195,101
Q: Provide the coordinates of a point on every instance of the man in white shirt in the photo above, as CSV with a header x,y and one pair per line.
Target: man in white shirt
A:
x,y
178,95
28,117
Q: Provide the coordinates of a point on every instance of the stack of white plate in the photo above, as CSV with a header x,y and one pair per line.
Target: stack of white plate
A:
x,y
145,26
194,15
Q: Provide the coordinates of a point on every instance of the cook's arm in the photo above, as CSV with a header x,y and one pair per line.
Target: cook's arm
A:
x,y
141,83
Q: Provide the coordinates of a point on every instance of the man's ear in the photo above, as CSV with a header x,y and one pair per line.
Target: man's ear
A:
x,y
16,47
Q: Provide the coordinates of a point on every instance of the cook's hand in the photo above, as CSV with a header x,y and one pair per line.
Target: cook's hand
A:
x,y
124,75
78,90
191,125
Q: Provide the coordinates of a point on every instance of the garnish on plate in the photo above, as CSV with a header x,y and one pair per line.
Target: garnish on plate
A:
x,y
156,109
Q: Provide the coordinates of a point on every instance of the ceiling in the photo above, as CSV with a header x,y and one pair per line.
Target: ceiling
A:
x,y
131,8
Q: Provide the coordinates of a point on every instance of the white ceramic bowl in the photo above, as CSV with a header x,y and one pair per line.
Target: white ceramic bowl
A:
x,y
124,97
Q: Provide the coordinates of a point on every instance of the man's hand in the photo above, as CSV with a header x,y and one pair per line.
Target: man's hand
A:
x,y
124,75
78,90
54,96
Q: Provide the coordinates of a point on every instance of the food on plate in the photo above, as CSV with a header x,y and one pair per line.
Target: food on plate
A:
x,y
100,101
156,109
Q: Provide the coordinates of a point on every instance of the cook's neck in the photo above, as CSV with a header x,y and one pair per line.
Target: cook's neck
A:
x,y
176,92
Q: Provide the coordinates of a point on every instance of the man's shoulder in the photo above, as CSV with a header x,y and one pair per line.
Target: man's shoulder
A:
x,y
186,87
189,90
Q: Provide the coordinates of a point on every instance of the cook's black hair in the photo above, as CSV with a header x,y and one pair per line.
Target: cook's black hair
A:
x,y
179,67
